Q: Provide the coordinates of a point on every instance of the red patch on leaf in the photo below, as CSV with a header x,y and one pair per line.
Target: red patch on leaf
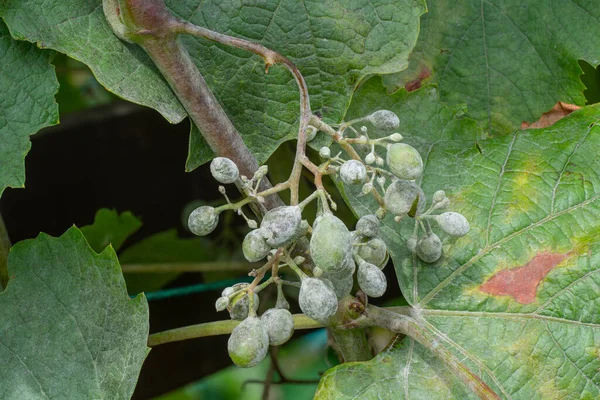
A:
x,y
416,83
521,283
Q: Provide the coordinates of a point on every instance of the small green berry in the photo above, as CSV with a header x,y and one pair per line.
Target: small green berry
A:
x,y
224,170
280,325
384,119
254,246
248,343
317,299
371,280
222,303
453,223
401,195
353,172
404,161
203,220
429,248
281,225
368,225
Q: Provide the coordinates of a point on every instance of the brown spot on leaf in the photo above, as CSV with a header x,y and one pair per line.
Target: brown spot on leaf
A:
x,y
559,111
416,83
521,283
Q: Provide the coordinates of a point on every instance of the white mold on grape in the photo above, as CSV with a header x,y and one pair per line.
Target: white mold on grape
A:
x,y
368,225
374,251
317,299
453,223
429,248
280,325
203,220
281,225
371,280
254,246
384,119
224,170
330,244
248,343
400,196
353,172
404,161
240,305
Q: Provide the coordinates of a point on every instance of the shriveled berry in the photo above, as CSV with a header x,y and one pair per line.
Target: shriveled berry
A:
x,y
280,325
317,299
404,161
401,195
281,225
429,248
203,220
384,119
453,223
353,172
224,170
248,343
330,244
254,246
368,225
371,280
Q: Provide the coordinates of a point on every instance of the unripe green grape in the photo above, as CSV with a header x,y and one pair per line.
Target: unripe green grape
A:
x,y
404,161
228,291
325,152
203,220
281,225
429,248
331,243
400,196
317,299
384,119
453,223
222,303
370,158
371,280
342,286
224,170
396,137
353,172
248,343
254,246
368,225
374,251
280,325
240,305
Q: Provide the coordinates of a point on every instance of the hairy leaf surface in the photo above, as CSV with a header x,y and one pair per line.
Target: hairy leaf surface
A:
x,y
335,45
28,85
509,60
68,329
518,298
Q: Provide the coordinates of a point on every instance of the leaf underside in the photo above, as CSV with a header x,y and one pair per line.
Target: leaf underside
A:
x,y
509,60
68,329
518,298
28,85
335,44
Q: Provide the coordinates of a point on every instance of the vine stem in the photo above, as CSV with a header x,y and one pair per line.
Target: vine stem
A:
x,y
4,249
301,321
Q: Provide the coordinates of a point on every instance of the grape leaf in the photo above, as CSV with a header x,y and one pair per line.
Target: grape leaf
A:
x,y
518,298
28,85
68,329
335,45
112,228
509,60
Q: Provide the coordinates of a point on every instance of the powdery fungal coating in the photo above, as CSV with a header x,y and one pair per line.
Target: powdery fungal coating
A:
x,y
400,196
368,225
342,286
429,248
222,303
280,325
371,280
353,172
254,246
281,225
203,220
374,252
317,299
453,223
330,244
384,119
248,343
404,161
240,305
224,170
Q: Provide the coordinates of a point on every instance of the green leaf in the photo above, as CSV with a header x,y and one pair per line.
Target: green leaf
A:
x,y
509,60
518,298
335,45
404,371
112,228
68,329
28,85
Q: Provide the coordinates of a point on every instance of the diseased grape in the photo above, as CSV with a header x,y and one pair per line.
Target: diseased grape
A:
x,y
224,170
203,220
342,286
330,244
222,303
404,161
280,325
453,223
400,196
248,343
254,246
371,280
429,248
368,225
374,251
353,172
240,305
384,119
317,299
281,225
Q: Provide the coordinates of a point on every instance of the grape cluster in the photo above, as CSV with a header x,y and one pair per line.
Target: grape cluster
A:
x,y
334,260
